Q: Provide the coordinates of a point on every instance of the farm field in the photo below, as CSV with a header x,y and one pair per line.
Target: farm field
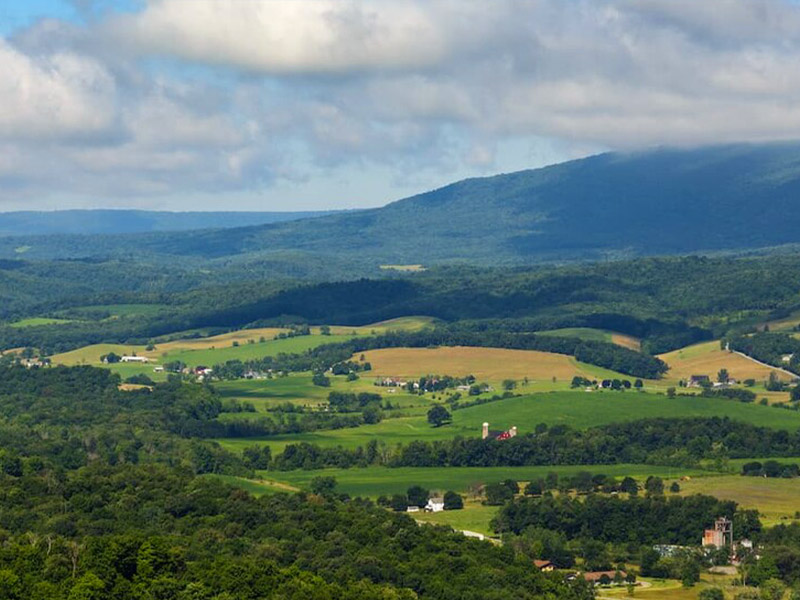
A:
x,y
412,323
473,517
200,351
34,321
489,364
577,409
708,358
785,324
377,481
776,499
219,348
122,310
298,389
598,335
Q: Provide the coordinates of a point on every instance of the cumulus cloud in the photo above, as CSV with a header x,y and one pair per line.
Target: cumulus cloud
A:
x,y
55,96
233,95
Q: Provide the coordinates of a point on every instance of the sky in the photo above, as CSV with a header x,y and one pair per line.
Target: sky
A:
x,y
330,104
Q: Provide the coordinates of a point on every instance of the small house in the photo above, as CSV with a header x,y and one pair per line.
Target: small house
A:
x,y
435,505
698,381
544,565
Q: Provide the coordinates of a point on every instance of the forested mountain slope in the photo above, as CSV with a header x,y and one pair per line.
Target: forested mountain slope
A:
x,y
665,201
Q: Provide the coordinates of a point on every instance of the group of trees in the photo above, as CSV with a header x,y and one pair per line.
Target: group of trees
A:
x,y
769,348
771,468
651,519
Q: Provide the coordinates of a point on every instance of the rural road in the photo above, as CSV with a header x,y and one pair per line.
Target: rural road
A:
x,y
763,364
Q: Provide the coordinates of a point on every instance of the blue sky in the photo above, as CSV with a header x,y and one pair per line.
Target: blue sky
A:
x,y
309,104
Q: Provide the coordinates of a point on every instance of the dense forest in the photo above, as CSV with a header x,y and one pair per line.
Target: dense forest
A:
x,y
668,303
104,494
142,532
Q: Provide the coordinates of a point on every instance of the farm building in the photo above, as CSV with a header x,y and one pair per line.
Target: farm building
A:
x,y
544,565
698,381
599,576
721,535
497,435
134,359
435,505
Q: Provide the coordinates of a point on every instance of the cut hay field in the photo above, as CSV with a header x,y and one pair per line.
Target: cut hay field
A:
x,y
598,335
490,364
577,409
776,499
376,481
708,358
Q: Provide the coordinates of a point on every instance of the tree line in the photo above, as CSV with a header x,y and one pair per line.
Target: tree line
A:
x,y
670,442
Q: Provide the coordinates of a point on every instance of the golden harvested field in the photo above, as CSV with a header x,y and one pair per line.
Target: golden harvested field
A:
x,y
492,364
708,358
627,341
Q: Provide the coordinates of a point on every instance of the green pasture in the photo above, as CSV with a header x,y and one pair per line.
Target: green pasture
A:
x,y
584,333
35,321
298,389
473,517
123,310
245,351
125,370
776,499
377,481
577,409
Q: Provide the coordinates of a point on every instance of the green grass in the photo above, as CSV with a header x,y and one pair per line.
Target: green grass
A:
x,y
376,481
124,310
34,321
473,517
584,333
125,370
298,389
774,498
212,356
577,409
256,488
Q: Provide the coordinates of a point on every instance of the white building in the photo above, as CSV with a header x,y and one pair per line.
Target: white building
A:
x,y
134,359
435,505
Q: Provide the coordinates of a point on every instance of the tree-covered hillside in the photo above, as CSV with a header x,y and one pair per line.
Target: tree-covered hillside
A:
x,y
668,303
612,205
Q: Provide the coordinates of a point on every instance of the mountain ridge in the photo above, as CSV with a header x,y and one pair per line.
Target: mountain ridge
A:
x,y
615,205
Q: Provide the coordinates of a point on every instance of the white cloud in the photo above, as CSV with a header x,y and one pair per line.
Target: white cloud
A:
x,y
54,96
287,36
238,94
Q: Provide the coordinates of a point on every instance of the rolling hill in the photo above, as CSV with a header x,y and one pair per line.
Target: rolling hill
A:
x,y
665,201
